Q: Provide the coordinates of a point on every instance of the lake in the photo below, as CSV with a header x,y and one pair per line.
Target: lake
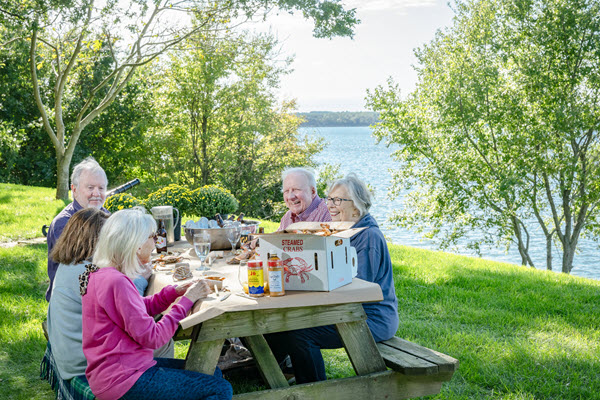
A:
x,y
355,150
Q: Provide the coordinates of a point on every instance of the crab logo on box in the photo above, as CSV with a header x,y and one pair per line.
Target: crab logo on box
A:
x,y
298,267
288,245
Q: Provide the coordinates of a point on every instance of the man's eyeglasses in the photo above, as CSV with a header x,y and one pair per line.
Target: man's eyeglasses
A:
x,y
336,200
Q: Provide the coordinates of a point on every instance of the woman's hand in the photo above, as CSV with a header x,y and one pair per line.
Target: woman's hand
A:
x,y
198,290
147,270
181,289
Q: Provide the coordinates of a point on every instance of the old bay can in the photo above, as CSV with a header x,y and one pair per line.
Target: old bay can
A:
x,y
256,279
275,266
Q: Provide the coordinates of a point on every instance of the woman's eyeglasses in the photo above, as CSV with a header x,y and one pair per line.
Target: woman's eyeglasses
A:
x,y
153,236
336,200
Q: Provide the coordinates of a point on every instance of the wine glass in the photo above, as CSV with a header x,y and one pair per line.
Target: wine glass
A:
x,y
202,248
233,233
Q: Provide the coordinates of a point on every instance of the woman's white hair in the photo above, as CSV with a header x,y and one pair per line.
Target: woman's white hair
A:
x,y
357,191
121,237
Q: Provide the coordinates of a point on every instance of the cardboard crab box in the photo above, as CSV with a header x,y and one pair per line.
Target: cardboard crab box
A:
x,y
311,260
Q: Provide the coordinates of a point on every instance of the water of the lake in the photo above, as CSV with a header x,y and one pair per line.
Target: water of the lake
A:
x,y
355,150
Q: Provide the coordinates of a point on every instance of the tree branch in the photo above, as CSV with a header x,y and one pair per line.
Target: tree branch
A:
x,y
36,94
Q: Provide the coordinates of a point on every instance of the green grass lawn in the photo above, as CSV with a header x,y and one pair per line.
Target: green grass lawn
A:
x,y
24,209
519,333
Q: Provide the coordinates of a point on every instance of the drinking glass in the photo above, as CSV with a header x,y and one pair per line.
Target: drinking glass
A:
x,y
234,231
243,275
202,248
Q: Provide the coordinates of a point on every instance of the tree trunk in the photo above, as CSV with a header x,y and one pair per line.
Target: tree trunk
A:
x,y
204,170
568,255
549,253
62,175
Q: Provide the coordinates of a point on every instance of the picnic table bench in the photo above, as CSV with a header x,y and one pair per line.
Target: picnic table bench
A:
x,y
414,370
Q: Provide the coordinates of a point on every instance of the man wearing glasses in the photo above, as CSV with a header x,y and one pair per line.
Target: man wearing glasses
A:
x,y
301,198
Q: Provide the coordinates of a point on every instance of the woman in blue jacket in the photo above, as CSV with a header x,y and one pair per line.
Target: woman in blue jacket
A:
x,y
349,200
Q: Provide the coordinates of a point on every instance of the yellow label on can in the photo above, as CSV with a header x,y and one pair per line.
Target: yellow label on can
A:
x,y
256,281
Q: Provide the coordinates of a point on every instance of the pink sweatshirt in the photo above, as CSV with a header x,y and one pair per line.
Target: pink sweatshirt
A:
x,y
119,332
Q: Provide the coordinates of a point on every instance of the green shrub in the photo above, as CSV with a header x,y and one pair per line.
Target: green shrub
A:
x,y
121,201
174,195
209,200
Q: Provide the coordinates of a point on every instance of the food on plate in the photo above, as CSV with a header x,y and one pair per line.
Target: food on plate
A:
x,y
182,271
215,281
164,259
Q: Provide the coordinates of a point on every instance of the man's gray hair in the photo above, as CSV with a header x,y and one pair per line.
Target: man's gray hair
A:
x,y
120,238
89,164
357,191
310,175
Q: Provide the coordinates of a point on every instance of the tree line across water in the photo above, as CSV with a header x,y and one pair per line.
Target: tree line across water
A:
x,y
344,118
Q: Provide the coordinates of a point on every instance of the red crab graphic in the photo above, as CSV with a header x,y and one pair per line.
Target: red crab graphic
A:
x,y
296,266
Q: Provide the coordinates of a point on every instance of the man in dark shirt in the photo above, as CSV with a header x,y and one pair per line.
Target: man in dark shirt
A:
x,y
88,187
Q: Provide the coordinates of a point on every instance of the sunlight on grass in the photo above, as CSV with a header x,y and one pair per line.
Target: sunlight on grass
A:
x,y
24,209
519,333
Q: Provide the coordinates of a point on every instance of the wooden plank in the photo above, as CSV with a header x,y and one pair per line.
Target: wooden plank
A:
x,y
183,334
444,362
45,329
203,356
406,363
361,348
250,323
267,365
380,385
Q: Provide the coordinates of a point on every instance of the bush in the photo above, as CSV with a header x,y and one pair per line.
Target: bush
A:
x,y
121,201
174,195
210,200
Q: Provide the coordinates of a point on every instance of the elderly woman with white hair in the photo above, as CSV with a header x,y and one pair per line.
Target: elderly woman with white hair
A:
x,y
348,200
119,332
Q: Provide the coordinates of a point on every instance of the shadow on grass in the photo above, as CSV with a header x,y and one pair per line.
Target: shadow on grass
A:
x,y
5,198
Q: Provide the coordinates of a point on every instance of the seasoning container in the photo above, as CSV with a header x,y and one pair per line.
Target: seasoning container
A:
x,y
275,276
256,281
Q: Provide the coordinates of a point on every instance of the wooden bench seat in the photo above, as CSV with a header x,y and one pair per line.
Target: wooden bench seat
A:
x,y
412,359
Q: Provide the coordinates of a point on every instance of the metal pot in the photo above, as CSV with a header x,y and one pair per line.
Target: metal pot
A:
x,y
218,236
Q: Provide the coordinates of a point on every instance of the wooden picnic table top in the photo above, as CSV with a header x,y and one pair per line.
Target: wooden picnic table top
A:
x,y
359,291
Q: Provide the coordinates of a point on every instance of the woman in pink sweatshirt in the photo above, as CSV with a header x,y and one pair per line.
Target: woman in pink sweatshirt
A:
x,y
119,332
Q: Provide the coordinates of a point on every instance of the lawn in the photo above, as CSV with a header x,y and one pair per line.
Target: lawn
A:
x,y
519,333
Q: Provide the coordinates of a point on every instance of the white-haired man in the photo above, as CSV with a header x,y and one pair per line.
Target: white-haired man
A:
x,y
300,196
88,187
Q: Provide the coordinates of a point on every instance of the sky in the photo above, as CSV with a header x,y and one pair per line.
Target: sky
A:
x,y
334,74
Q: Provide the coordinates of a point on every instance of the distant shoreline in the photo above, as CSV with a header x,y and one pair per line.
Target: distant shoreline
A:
x,y
331,119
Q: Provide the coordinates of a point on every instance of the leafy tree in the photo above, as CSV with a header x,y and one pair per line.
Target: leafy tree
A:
x,y
91,51
224,125
501,133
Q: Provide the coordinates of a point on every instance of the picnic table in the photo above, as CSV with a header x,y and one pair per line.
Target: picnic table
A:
x,y
212,321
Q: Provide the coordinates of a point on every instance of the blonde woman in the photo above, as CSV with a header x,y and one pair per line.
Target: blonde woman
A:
x,y
119,333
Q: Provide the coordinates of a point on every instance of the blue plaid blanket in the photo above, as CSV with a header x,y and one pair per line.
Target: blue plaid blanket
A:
x,y
73,389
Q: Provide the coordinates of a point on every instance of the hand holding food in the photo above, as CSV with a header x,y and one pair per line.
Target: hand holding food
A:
x,y
181,289
198,290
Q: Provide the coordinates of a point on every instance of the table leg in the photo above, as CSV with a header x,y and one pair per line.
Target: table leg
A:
x,y
203,356
267,364
361,347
